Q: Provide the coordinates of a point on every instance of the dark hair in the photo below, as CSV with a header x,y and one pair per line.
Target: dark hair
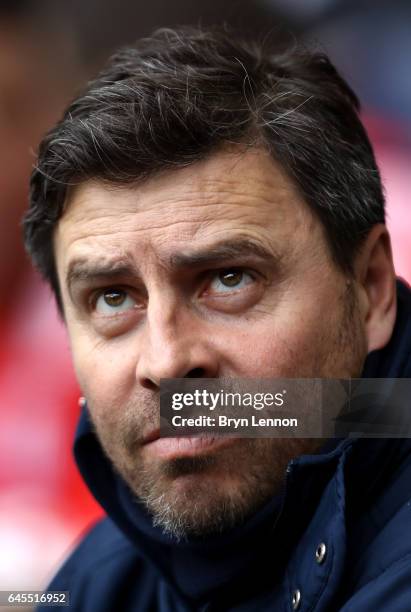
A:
x,y
176,97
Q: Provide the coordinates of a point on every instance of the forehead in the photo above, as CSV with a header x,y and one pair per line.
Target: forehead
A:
x,y
232,193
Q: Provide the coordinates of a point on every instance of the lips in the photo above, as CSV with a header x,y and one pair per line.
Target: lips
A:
x,y
170,448
151,436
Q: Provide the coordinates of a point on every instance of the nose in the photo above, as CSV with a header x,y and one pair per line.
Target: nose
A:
x,y
174,344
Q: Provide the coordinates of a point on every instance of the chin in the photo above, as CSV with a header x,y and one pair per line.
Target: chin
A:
x,y
196,497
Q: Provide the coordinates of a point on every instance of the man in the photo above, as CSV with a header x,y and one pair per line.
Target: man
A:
x,y
211,208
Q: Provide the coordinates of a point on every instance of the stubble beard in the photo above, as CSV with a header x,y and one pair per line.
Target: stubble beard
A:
x,y
192,497
208,494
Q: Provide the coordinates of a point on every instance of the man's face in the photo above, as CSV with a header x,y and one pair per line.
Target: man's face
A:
x,y
215,270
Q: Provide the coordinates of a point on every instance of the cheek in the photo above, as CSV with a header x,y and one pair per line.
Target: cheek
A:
x,y
293,340
105,372
273,352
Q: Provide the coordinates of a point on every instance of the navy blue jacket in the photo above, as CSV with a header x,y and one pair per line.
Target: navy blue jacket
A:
x,y
337,538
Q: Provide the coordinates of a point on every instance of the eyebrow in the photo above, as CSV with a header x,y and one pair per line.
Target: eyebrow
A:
x,y
81,269
230,249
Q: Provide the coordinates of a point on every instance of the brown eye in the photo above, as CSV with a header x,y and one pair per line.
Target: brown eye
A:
x,y
229,281
112,301
114,298
231,278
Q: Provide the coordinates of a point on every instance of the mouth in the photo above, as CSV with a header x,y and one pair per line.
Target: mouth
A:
x,y
185,446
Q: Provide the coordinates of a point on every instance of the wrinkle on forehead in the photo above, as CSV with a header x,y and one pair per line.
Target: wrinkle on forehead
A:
x,y
222,179
245,193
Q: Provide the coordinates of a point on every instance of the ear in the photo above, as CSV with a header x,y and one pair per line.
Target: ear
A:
x,y
375,275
